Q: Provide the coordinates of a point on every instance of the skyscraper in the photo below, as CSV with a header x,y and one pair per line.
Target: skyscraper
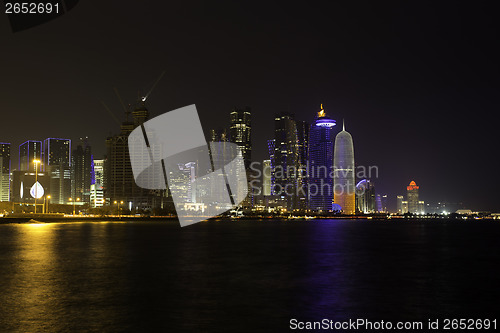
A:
x,y
120,183
28,152
399,204
343,162
412,196
266,177
240,130
286,158
4,171
320,187
365,196
57,164
81,171
97,184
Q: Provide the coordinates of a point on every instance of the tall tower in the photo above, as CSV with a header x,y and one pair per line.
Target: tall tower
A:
x,y
81,169
119,179
4,171
286,157
321,162
240,130
57,163
412,196
343,163
29,151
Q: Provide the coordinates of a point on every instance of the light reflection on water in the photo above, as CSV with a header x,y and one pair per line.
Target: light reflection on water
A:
x,y
240,276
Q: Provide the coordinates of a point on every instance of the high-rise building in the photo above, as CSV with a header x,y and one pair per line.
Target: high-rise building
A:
x,y
404,207
57,164
320,187
399,204
412,196
365,196
4,171
28,152
240,130
97,184
301,201
271,147
119,179
343,163
286,159
421,207
81,171
266,177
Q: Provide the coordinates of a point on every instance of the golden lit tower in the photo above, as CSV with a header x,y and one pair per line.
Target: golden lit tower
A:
x,y
343,177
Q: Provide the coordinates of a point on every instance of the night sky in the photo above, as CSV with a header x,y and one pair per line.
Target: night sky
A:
x,y
416,82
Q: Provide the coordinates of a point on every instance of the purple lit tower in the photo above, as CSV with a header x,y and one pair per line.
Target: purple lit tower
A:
x,y
321,162
343,163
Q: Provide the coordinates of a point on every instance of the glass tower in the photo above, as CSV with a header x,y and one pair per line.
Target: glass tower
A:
x,y
343,161
321,163
4,171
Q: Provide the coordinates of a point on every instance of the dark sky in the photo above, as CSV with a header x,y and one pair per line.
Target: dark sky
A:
x,y
416,82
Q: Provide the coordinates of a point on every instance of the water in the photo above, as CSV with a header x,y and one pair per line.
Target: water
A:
x,y
245,276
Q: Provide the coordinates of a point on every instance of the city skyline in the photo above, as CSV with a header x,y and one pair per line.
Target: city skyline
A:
x,y
408,93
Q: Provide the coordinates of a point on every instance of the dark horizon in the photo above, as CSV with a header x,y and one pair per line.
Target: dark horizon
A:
x,y
415,84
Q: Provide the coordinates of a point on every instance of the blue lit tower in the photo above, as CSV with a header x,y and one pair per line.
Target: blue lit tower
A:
x,y
343,163
321,162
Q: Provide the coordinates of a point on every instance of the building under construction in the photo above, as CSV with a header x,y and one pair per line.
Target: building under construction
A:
x,y
121,189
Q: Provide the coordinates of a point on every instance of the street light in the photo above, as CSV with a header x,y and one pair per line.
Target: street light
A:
x,y
118,203
48,198
74,203
36,162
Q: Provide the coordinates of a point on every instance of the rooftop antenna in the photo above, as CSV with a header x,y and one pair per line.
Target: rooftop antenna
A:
x,y
343,124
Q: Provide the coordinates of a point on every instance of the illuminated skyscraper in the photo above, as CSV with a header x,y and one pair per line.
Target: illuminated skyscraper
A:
x,y
4,171
240,131
343,162
320,187
57,164
286,158
412,196
29,151
365,196
399,204
97,184
266,177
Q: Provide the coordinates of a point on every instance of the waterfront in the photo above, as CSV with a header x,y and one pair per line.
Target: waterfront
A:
x,y
243,276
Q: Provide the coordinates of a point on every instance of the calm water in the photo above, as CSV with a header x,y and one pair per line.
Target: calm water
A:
x,y
242,276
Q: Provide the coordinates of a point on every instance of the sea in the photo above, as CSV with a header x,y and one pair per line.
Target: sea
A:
x,y
246,275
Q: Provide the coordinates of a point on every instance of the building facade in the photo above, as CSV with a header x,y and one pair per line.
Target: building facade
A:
x,y
344,172
412,197
28,152
4,171
240,131
81,171
57,164
320,152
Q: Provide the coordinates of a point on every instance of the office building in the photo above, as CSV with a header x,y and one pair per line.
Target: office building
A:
x,y
266,177
343,163
412,197
365,196
320,151
119,180
81,171
57,164
97,183
399,204
28,152
240,130
4,171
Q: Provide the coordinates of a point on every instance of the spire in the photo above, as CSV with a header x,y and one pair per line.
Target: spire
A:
x,y
343,125
322,112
